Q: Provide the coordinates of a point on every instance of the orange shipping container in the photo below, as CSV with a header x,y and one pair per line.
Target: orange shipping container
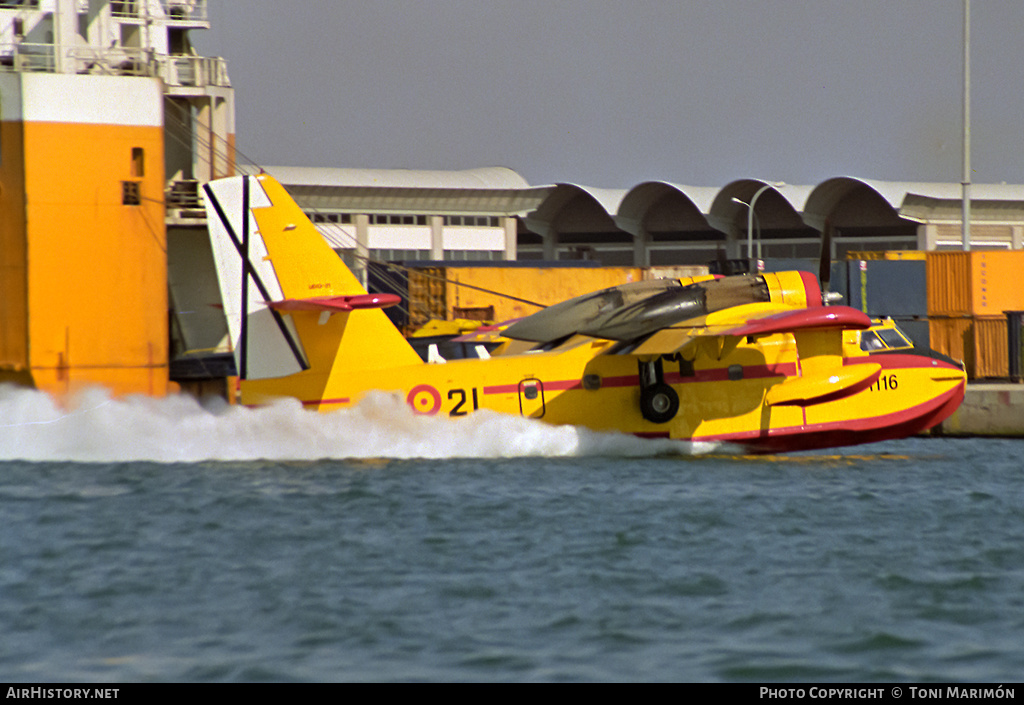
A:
x,y
427,299
437,293
543,285
991,351
980,342
977,283
886,255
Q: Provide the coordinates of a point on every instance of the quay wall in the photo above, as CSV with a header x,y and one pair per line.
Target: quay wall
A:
x,y
988,410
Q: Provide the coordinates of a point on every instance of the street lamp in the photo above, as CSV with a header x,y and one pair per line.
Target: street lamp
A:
x,y
965,218
756,221
750,217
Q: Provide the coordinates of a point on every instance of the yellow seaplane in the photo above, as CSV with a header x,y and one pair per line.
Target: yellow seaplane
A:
x,y
762,361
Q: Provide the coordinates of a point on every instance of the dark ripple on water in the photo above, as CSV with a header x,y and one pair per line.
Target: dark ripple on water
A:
x,y
897,562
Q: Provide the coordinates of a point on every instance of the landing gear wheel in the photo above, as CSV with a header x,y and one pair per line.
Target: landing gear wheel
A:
x,y
659,403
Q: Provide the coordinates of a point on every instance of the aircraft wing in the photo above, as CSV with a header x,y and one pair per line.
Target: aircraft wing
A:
x,y
662,316
630,311
749,320
813,318
823,376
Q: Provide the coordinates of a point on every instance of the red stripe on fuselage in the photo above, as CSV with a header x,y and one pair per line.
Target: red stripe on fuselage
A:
x,y
897,361
719,374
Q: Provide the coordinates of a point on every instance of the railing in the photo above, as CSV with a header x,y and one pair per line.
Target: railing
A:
x,y
174,69
125,8
184,201
27,57
191,10
184,10
198,71
116,61
183,194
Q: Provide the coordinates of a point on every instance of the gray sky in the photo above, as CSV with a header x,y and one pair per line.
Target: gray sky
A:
x,y
611,94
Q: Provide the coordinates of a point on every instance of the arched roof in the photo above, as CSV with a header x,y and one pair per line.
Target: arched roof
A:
x,y
725,212
604,201
499,189
640,199
744,189
828,194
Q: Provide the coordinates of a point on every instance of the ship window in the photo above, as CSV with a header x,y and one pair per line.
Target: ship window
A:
x,y
130,193
138,161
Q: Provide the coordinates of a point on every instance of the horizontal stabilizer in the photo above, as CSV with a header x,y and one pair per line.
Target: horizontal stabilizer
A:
x,y
336,303
486,334
820,388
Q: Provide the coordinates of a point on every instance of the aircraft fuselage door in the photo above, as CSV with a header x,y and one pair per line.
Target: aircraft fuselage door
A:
x,y
531,397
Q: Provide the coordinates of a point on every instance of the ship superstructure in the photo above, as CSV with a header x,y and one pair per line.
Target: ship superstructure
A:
x,y
109,120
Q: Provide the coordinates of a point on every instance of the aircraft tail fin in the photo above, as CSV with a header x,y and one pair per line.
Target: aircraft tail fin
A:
x,y
291,303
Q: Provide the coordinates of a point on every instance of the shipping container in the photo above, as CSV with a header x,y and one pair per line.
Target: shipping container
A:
x,y
443,291
893,288
535,287
977,283
991,352
883,287
980,341
914,255
671,271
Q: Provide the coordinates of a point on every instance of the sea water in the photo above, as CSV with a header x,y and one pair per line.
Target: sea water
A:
x,y
170,540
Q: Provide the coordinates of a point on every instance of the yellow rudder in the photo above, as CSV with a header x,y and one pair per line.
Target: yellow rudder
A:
x,y
297,287
305,264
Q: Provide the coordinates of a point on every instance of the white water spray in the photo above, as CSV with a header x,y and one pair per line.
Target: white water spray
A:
x,y
97,428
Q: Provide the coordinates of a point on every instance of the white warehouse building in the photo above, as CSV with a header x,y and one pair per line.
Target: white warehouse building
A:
x,y
494,214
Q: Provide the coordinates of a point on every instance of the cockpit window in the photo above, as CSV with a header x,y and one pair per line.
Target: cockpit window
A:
x,y
893,338
869,341
884,337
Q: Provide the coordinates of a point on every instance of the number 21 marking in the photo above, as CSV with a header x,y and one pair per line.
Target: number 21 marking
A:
x,y
461,394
